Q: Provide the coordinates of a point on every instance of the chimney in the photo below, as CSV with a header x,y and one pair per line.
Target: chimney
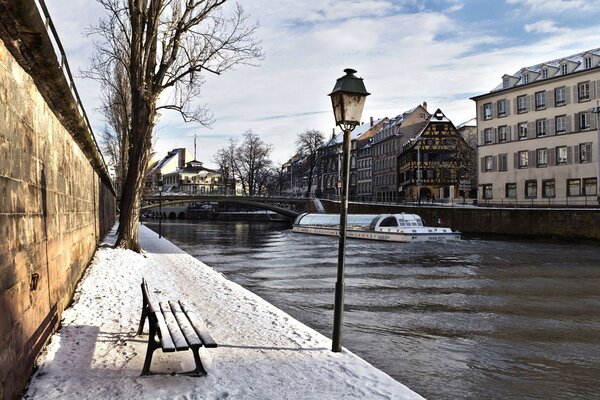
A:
x,y
425,105
371,121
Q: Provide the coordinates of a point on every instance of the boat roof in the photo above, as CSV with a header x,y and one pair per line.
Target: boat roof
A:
x,y
352,219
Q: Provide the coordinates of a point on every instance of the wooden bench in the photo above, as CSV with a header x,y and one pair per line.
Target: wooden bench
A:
x,y
173,327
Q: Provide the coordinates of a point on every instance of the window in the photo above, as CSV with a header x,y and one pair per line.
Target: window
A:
x,y
590,186
502,162
502,108
540,100
525,78
502,133
564,69
523,159
489,163
511,190
560,124
585,153
544,73
487,191
522,104
548,188
559,97
583,91
531,189
488,135
523,130
588,62
505,83
541,156
573,187
561,155
487,111
584,121
540,127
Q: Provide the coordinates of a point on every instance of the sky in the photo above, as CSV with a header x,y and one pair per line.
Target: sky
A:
x,y
407,51
262,353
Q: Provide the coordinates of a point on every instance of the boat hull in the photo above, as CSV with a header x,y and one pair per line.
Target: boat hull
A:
x,y
404,237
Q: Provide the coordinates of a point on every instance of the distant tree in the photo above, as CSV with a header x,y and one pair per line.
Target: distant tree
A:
x,y
251,161
164,46
308,144
224,158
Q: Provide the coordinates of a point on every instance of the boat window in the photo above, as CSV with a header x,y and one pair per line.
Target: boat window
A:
x,y
389,221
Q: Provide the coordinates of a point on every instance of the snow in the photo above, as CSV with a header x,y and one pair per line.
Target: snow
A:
x,y
263,353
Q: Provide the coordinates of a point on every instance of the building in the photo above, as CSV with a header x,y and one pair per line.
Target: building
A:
x,y
538,140
387,144
434,163
329,178
193,179
172,162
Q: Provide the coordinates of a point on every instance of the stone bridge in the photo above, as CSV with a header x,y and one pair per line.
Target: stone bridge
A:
x,y
289,207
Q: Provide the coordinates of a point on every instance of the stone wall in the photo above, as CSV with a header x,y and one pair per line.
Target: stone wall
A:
x,y
530,222
54,207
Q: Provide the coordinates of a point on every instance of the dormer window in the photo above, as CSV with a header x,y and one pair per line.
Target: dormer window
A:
x,y
564,69
544,73
587,62
525,78
505,83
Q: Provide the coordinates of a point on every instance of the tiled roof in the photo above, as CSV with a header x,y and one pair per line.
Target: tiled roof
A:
x,y
577,59
359,130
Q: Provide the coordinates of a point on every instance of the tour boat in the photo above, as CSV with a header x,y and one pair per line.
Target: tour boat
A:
x,y
386,227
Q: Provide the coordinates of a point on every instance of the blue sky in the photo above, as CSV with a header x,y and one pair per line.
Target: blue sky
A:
x,y
407,51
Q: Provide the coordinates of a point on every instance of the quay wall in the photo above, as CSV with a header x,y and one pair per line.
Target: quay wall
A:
x,y
532,222
56,199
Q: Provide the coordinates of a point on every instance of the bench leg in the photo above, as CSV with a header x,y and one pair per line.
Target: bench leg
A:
x,y
199,371
142,320
152,345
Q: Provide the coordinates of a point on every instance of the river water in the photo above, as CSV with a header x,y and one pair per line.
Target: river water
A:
x,y
475,319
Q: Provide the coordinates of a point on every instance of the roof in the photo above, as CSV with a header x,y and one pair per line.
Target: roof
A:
x,y
576,59
356,133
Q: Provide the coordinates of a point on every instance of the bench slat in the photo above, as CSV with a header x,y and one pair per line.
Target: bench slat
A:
x,y
174,330
165,337
188,332
198,326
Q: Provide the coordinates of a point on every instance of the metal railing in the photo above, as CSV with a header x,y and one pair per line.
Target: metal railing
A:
x,y
61,58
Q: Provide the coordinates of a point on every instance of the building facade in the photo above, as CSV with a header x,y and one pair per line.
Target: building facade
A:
x,y
433,164
387,144
538,134
330,160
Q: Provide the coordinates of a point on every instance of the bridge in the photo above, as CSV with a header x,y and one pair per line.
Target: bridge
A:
x,y
289,207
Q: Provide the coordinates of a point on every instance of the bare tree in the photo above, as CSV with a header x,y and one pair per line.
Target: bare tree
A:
x,y
224,158
308,144
165,46
250,161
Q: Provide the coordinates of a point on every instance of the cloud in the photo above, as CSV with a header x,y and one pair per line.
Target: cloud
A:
x,y
558,6
544,26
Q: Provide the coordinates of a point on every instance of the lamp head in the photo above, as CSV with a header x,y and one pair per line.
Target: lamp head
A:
x,y
348,100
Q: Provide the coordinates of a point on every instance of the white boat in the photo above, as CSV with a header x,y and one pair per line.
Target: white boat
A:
x,y
386,227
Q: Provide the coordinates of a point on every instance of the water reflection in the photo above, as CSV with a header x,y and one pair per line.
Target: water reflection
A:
x,y
474,319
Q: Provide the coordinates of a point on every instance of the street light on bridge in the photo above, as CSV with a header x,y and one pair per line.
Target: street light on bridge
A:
x,y
348,100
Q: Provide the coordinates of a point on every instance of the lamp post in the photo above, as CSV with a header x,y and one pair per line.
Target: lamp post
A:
x,y
348,100
596,110
160,190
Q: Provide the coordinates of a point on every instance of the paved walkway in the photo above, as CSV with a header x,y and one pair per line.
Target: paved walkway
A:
x,y
263,353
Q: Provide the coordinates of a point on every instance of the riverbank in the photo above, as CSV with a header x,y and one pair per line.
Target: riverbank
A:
x,y
263,353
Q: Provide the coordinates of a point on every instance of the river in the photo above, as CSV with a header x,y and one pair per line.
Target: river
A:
x,y
474,319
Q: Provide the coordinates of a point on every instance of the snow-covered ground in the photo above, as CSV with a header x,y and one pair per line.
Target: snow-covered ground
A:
x,y
263,353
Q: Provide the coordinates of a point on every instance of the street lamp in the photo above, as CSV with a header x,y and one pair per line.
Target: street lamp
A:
x,y
160,190
348,100
596,110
